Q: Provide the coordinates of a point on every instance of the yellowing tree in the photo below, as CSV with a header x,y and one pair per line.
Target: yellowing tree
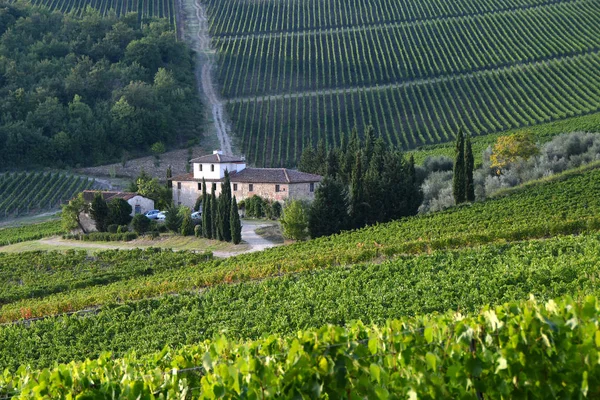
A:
x,y
508,149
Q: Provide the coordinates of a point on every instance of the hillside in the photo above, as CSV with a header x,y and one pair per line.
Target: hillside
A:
x,y
296,72
80,91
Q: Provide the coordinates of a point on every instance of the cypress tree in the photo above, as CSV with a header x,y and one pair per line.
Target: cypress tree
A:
x,y
469,167
99,212
205,212
459,184
169,176
213,215
236,225
329,211
357,206
224,210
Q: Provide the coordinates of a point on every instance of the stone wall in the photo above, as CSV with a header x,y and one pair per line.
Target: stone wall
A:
x,y
189,192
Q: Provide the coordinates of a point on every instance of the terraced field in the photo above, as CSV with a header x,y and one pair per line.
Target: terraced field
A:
x,y
293,72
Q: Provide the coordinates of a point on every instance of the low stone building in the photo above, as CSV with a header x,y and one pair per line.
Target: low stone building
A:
x,y
277,184
139,204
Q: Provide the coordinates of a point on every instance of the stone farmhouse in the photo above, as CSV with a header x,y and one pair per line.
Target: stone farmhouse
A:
x,y
277,184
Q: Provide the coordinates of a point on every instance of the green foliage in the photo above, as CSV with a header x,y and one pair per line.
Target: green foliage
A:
x,y
224,210
469,167
119,212
236,225
459,177
83,90
99,212
537,345
213,215
30,232
119,236
508,149
71,213
328,213
276,210
151,188
174,218
187,224
206,213
294,220
141,224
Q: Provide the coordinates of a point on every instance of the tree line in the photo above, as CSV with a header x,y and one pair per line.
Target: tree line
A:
x,y
77,91
365,182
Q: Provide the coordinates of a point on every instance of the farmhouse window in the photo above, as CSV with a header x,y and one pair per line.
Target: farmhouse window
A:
x,y
235,187
214,187
312,187
201,167
178,185
251,188
199,186
212,167
277,188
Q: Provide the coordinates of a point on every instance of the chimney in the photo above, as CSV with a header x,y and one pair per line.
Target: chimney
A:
x,y
220,152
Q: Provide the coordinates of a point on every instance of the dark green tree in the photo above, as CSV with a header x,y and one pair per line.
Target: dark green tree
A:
x,y
141,223
206,223
469,167
357,200
207,214
459,181
173,219
213,215
187,224
119,212
328,213
308,161
169,176
99,212
236,225
224,210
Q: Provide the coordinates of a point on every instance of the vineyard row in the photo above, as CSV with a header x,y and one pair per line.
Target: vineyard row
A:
x,y
284,64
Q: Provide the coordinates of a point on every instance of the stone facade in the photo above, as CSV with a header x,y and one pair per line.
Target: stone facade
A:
x,y
186,192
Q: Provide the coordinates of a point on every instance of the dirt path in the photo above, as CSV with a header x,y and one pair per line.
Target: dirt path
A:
x,y
200,41
253,241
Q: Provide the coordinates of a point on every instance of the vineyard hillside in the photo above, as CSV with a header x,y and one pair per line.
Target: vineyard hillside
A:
x,y
25,193
145,9
570,206
296,72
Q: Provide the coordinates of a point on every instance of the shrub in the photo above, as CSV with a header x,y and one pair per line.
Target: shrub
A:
x,y
112,228
187,224
198,231
141,224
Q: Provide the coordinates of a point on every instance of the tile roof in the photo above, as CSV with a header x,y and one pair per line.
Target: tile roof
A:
x,y
88,195
261,175
217,158
273,175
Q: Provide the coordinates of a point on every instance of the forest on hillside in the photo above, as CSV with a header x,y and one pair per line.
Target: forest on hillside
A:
x,y
86,90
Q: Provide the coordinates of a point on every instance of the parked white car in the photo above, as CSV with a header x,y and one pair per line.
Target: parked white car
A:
x,y
161,215
152,214
197,215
